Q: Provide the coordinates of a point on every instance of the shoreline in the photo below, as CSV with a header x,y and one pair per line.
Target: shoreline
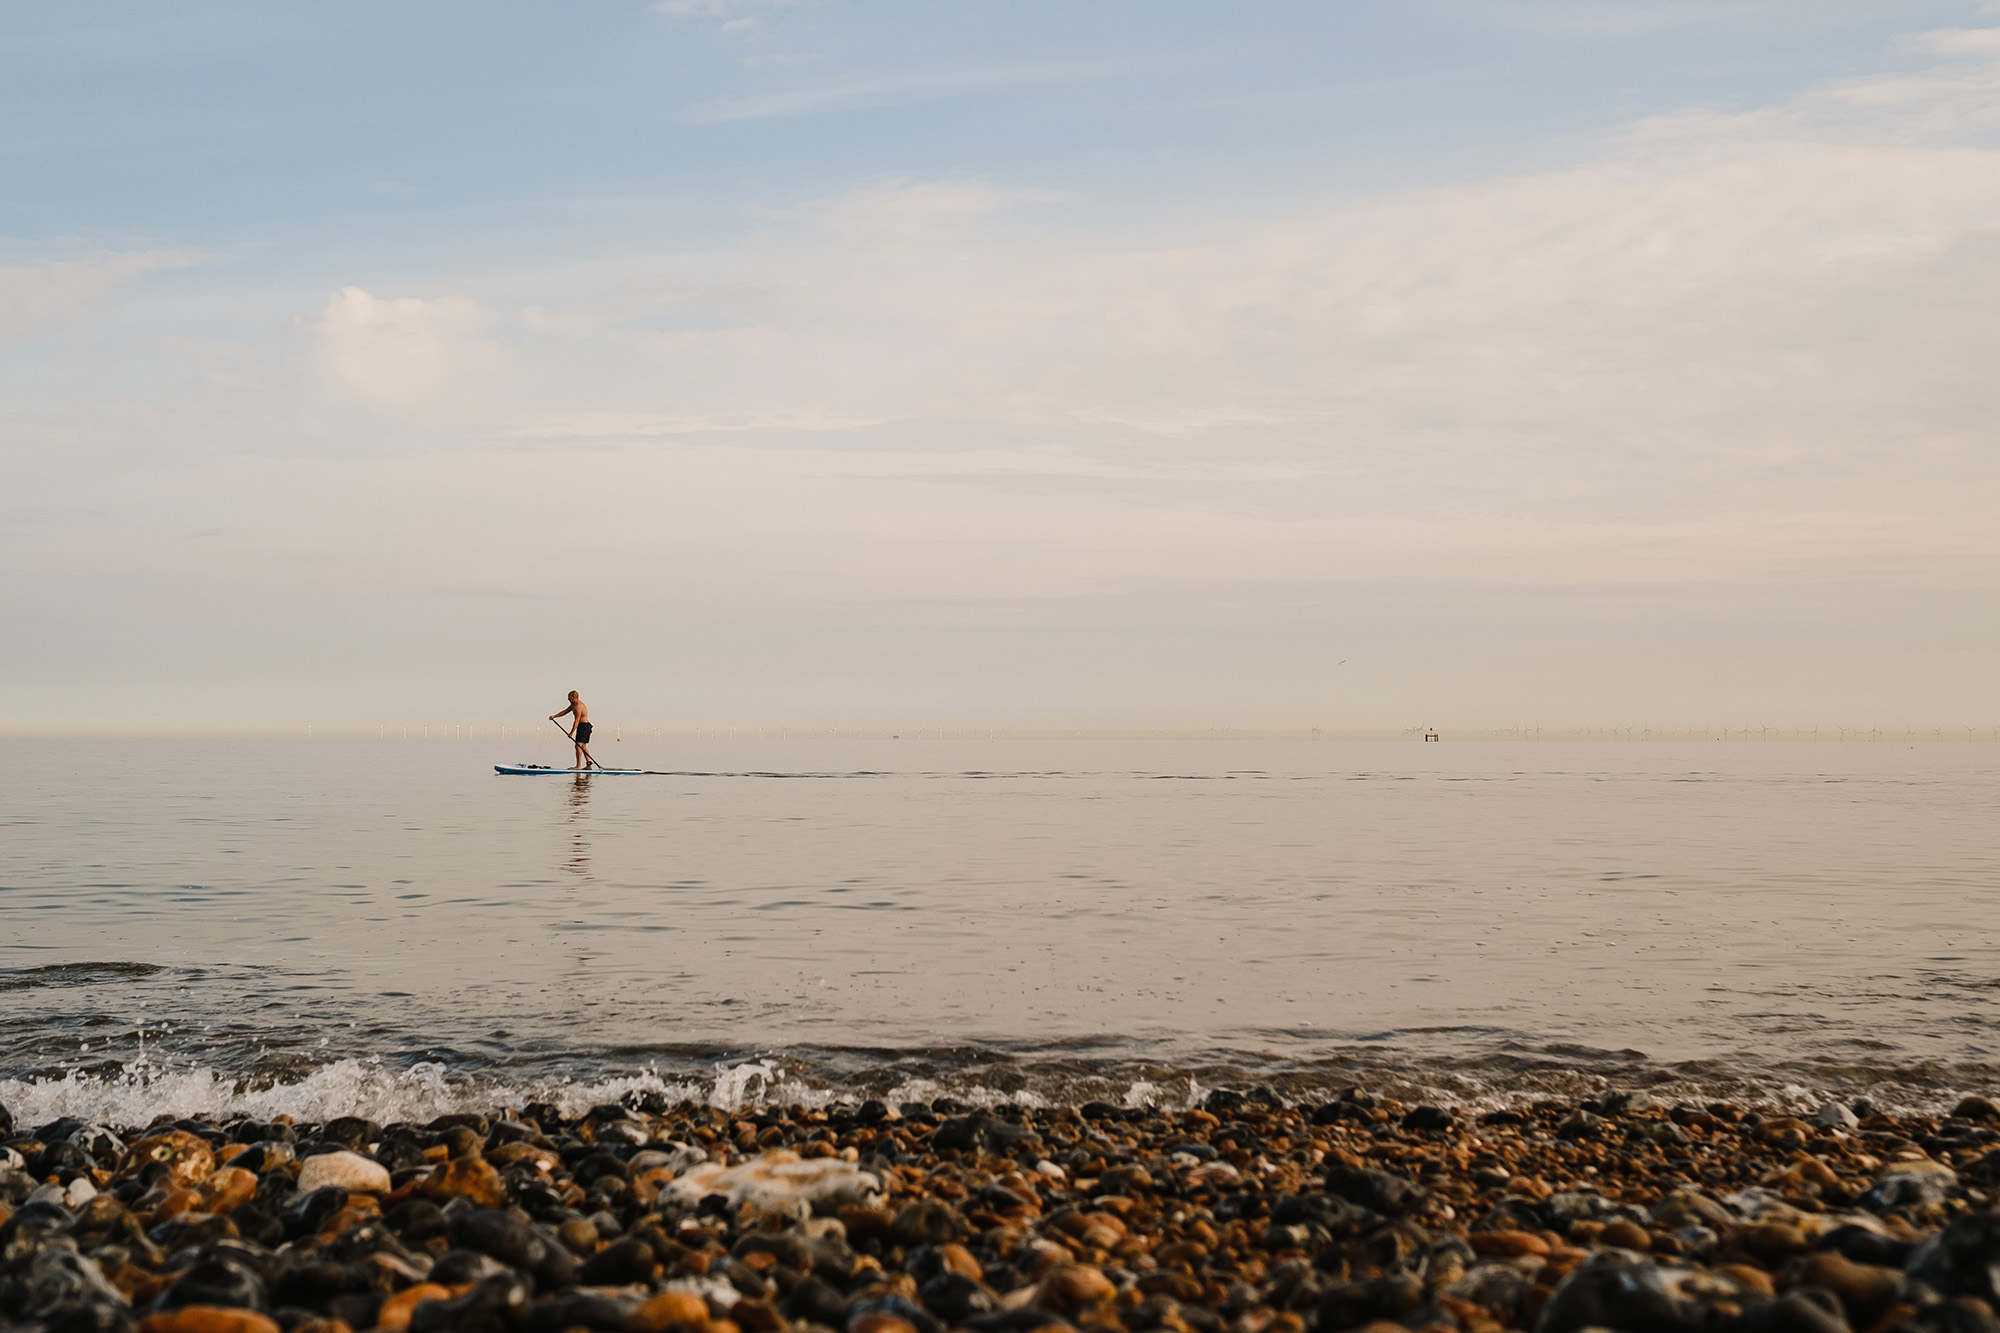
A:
x,y
1239,1216
123,1090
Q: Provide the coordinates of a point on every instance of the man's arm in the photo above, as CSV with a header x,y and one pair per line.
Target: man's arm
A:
x,y
565,712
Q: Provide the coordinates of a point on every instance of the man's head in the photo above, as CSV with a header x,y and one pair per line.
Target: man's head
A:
x,y
572,696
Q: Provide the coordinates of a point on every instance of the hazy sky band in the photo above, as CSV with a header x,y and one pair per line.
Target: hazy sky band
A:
x,y
1137,365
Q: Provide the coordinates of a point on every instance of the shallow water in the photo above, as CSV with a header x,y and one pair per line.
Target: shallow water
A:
x,y
203,921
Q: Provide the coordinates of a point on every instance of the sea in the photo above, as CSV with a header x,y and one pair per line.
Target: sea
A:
x,y
390,928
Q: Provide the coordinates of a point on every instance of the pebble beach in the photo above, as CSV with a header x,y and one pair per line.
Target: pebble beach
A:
x,y
1240,1215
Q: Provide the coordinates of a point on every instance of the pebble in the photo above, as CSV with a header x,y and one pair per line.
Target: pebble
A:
x,y
1242,1217
469,1178
396,1311
208,1319
348,1170
187,1158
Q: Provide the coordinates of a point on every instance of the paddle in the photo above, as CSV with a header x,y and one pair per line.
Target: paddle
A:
x,y
572,735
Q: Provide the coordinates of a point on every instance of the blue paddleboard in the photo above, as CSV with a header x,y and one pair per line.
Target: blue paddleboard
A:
x,y
573,772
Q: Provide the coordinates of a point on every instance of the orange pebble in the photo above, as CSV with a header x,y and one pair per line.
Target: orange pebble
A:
x,y
470,1178
396,1311
138,1285
178,1201
229,1187
1751,1278
1507,1244
880,1321
207,1319
957,1259
359,1209
670,1309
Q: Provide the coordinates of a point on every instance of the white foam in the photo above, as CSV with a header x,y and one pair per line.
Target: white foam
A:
x,y
424,1091
930,1089
137,1096
368,1088
742,1084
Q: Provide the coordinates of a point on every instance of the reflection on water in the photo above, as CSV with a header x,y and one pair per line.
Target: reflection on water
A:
x,y
1834,907
579,826
575,987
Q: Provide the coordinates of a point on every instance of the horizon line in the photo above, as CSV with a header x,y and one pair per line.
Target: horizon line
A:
x,y
1953,734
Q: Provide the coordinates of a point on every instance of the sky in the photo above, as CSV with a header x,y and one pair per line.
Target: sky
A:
x,y
873,362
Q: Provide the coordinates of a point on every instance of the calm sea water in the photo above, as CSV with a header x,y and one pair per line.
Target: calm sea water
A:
x,y
389,925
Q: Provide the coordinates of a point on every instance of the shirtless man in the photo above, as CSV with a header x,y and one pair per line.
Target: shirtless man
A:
x,y
584,759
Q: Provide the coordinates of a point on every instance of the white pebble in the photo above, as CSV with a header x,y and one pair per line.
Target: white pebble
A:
x,y
350,1171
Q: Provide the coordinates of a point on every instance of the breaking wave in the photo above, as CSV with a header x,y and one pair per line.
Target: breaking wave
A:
x,y
141,1092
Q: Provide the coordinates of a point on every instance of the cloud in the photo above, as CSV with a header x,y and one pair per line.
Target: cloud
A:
x,y
1954,100
726,11
1978,43
913,209
896,89
33,296
1754,343
414,355
1595,19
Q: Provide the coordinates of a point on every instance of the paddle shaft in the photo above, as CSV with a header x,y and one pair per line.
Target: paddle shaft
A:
x,y
572,736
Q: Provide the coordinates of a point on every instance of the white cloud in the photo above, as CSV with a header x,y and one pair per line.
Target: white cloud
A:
x,y
1625,18
409,354
33,296
895,89
1732,347
1974,42
1956,99
726,11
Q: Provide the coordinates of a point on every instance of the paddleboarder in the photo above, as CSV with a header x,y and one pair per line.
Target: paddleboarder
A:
x,y
581,735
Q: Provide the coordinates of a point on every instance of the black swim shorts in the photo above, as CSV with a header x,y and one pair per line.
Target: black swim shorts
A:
x,y
583,733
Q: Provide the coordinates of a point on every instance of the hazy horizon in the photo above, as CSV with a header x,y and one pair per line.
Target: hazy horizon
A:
x,y
519,733
1141,368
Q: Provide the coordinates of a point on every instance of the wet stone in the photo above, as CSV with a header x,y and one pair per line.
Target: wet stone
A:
x,y
223,1282
954,1297
1377,1191
495,1305
416,1221
261,1157
1428,1118
1613,1290
310,1286
306,1212
457,1268
1981,1109
1963,1260
928,1223
578,1310
619,1263
351,1131
815,1301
